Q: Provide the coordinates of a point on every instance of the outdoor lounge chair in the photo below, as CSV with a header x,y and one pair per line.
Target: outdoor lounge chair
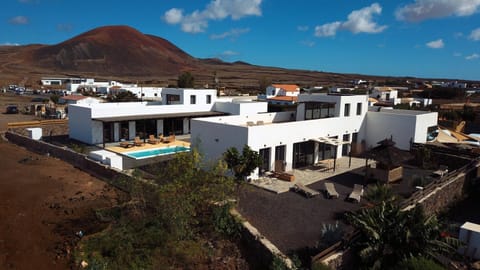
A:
x,y
152,139
169,139
137,141
305,190
331,191
356,193
126,144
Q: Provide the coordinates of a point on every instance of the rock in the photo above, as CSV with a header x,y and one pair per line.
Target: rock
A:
x,y
84,264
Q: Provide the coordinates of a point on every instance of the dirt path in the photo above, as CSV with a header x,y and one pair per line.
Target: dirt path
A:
x,y
43,203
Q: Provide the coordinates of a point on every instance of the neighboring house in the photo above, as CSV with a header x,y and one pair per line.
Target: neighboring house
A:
x,y
78,99
281,94
113,122
323,127
385,95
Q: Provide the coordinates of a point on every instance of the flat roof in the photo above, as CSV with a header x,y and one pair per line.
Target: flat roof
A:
x,y
404,112
156,116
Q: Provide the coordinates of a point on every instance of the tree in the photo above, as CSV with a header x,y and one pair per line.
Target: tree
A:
x,y
244,164
389,235
263,83
124,96
379,193
186,80
418,263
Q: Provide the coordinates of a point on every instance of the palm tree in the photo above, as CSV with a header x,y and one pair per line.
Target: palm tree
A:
x,y
389,235
379,193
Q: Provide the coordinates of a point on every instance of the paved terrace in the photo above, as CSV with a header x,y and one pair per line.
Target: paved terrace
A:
x,y
312,174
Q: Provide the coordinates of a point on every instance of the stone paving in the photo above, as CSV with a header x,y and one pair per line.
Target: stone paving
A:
x,y
311,174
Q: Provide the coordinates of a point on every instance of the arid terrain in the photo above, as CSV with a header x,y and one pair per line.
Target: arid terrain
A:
x,y
45,203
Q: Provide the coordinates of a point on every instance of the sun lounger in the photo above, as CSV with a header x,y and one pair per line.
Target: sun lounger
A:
x,y
152,140
305,190
169,139
356,193
137,141
126,144
331,191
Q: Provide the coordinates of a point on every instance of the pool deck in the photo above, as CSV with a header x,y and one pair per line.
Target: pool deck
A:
x,y
115,147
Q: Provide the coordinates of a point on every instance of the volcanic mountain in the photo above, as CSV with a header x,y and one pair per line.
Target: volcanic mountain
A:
x,y
115,50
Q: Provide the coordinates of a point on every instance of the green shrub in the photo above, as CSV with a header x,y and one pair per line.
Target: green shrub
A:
x,y
225,223
330,234
418,263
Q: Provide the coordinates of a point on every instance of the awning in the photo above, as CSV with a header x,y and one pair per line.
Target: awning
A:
x,y
156,116
331,141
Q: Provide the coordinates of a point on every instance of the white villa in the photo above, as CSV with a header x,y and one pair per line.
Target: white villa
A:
x,y
281,94
385,95
112,122
323,127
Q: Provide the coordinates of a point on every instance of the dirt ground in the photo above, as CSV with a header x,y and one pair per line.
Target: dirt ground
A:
x,y
44,202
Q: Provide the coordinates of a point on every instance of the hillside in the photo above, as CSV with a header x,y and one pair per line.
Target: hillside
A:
x,y
123,53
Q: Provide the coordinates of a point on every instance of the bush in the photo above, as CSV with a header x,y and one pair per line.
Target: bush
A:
x,y
418,263
330,234
225,223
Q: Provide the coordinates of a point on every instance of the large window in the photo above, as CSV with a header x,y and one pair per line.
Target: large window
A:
x,y
317,110
359,108
173,99
347,110
193,99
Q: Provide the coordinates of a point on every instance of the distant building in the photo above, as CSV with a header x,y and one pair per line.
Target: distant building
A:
x,y
386,95
281,94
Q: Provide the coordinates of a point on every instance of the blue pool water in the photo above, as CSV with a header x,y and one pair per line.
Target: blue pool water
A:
x,y
157,152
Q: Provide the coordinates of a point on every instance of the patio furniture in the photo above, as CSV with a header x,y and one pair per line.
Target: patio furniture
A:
x,y
309,192
331,191
160,137
152,139
169,139
138,142
356,193
250,123
126,144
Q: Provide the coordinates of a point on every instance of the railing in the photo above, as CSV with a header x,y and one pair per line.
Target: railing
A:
x,y
37,123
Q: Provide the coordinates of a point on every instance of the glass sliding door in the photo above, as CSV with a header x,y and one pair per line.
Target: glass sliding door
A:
x,y
265,156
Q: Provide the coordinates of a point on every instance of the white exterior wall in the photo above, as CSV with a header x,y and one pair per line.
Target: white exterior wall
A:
x,y
339,100
403,126
232,131
241,107
79,123
201,95
470,236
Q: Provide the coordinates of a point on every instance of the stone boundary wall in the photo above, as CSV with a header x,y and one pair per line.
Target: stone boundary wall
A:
x,y
259,249
76,159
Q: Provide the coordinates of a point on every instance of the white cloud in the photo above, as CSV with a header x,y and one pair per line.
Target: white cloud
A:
x,y
197,21
173,16
436,44
328,29
19,20
233,33
302,28
475,34
472,56
428,9
358,21
361,21
9,44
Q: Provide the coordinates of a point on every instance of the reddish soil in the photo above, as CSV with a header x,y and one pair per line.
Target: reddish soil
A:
x,y
44,202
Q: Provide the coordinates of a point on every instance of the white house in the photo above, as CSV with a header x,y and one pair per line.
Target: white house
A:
x,y
78,99
385,95
112,122
323,127
281,94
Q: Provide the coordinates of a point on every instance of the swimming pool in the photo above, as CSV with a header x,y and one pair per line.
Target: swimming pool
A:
x,y
157,152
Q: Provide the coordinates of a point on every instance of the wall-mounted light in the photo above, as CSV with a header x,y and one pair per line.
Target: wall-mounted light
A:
x,y
216,139
280,142
264,145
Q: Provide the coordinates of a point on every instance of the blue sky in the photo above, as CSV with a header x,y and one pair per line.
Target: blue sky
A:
x,y
422,38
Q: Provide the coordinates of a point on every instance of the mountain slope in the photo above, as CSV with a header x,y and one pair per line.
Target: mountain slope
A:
x,y
115,50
